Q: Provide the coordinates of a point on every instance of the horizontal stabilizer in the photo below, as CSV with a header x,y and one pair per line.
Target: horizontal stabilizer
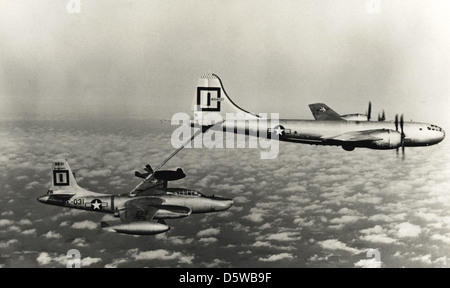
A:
x,y
141,175
148,168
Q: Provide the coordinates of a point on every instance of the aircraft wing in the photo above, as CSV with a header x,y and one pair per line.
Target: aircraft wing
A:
x,y
356,136
140,209
321,111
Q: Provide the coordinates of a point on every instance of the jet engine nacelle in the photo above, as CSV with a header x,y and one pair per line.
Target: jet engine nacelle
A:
x,y
390,139
137,228
172,212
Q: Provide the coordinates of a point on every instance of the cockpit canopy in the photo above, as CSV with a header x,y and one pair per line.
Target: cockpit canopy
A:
x,y
186,192
434,128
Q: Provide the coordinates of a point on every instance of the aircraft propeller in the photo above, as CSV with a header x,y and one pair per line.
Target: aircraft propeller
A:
x,y
381,117
402,134
369,111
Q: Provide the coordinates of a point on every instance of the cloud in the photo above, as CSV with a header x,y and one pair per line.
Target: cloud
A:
x,y
25,222
87,224
79,242
6,244
265,226
5,222
116,263
175,240
262,244
267,222
70,213
317,258
377,234
44,258
284,236
216,263
88,261
209,232
303,223
345,219
234,189
334,244
52,235
381,238
240,200
208,240
256,215
14,229
443,238
21,177
29,232
425,259
267,244
441,262
97,173
408,230
381,218
160,254
277,257
430,217
32,185
62,260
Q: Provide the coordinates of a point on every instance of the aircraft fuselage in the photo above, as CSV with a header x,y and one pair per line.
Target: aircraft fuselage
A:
x,y
321,132
104,203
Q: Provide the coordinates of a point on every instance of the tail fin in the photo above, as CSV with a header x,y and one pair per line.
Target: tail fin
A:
x,y
321,111
62,177
212,97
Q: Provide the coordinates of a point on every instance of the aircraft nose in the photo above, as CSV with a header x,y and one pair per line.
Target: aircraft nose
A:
x,y
225,204
441,135
43,199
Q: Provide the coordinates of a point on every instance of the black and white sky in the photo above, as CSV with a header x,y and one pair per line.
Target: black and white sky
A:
x,y
139,58
85,86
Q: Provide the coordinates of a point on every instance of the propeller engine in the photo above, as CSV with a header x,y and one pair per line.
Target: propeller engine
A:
x,y
402,133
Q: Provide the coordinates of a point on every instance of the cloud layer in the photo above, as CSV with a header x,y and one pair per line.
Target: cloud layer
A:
x,y
310,207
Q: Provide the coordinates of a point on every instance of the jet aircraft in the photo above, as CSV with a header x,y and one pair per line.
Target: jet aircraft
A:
x,y
148,201
212,98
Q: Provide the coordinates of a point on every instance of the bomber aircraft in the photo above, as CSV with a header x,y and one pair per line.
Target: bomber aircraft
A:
x,y
148,201
211,99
